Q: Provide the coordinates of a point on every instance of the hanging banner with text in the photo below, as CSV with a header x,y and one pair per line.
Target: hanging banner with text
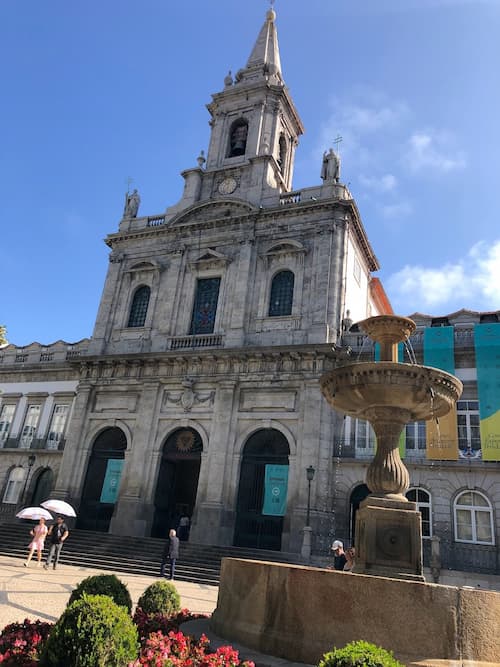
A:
x,y
441,434
487,344
111,484
275,490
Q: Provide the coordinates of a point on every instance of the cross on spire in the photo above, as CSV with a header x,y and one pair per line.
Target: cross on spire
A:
x,y
336,142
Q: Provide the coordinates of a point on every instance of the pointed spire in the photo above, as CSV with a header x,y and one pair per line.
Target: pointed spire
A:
x,y
266,51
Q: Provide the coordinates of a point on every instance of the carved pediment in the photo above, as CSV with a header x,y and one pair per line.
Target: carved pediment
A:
x,y
283,251
209,259
213,210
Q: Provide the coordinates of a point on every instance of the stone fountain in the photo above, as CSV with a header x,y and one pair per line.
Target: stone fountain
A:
x,y
299,612
389,395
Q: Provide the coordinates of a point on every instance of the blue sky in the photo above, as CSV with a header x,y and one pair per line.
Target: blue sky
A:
x,y
97,92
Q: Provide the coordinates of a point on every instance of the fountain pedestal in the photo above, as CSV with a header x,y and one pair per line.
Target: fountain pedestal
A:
x,y
389,395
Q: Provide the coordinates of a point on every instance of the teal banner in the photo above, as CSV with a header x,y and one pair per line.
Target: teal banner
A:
x,y
111,484
275,490
487,344
439,348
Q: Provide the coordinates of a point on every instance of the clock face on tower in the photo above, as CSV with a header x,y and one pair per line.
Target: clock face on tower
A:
x,y
227,186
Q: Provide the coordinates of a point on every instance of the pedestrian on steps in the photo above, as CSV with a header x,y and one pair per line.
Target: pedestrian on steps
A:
x,y
170,554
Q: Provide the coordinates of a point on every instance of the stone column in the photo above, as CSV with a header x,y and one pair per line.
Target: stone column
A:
x,y
209,509
134,511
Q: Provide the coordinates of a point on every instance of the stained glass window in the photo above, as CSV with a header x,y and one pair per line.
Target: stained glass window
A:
x,y
139,307
205,306
281,294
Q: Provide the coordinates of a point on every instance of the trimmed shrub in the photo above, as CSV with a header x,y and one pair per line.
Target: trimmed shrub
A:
x,y
104,584
160,598
92,632
359,654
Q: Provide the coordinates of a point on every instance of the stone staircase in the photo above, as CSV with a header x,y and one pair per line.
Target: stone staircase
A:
x,y
136,555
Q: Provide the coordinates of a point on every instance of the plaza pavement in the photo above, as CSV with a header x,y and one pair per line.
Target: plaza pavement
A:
x,y
36,593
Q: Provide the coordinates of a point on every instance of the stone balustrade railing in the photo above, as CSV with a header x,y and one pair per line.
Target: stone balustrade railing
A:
x,y
195,342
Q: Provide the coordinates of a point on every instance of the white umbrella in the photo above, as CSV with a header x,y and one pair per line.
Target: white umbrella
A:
x,y
35,513
58,507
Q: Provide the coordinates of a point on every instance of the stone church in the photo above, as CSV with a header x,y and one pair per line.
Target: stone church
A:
x,y
198,393
217,319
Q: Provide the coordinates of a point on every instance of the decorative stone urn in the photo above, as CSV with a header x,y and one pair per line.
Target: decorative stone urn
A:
x,y
389,395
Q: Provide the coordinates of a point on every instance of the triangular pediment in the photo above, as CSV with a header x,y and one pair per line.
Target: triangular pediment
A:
x,y
219,209
209,259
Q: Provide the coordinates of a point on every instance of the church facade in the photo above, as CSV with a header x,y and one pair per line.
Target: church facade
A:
x,y
198,393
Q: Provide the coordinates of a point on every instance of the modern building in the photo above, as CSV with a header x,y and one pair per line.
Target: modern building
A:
x,y
198,392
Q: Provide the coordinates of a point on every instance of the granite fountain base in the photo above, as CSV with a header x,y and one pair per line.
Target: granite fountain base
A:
x,y
299,613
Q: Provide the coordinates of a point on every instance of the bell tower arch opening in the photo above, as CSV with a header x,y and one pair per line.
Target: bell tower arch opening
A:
x,y
254,527
177,484
102,481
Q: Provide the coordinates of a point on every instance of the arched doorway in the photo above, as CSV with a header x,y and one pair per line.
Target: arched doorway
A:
x,y
177,483
357,497
42,489
255,529
102,481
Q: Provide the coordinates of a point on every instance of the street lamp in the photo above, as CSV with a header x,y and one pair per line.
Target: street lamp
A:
x,y
310,476
31,463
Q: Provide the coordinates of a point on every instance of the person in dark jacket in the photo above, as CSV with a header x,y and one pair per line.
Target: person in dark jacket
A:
x,y
170,554
58,533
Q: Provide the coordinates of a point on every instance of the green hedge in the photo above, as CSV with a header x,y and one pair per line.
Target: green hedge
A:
x,y
92,632
160,598
104,584
359,654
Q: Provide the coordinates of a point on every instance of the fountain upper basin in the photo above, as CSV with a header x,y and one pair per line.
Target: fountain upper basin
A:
x,y
357,389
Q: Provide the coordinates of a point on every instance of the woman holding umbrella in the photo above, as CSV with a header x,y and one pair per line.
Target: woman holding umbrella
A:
x,y
39,533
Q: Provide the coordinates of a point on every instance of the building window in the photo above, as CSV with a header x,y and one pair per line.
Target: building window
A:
x,y
238,138
415,436
281,300
205,306
56,430
14,485
423,500
29,427
473,518
361,435
6,417
469,437
139,307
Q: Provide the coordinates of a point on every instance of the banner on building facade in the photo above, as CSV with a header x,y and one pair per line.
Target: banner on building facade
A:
x,y
487,345
111,484
401,359
441,434
275,490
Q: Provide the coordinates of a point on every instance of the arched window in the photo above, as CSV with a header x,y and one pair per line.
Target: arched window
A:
x,y
473,518
238,138
283,151
281,300
139,307
423,500
14,485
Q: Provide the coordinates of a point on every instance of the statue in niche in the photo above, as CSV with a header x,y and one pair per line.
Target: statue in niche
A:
x,y
330,169
132,202
238,140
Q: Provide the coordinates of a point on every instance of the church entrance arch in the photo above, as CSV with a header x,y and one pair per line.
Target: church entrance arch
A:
x,y
357,497
253,528
177,484
102,480
43,487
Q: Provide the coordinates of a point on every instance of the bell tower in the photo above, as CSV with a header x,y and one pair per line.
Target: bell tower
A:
x,y
254,127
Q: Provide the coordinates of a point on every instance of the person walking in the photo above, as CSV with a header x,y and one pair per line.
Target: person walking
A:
x,y
39,533
57,535
339,558
170,554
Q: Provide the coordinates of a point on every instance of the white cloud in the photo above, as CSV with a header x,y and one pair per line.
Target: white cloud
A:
x,y
385,183
472,282
396,210
433,151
